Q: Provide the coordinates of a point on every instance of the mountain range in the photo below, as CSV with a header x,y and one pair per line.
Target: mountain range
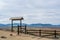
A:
x,y
32,25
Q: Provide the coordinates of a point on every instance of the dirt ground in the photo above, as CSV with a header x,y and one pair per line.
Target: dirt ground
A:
x,y
5,35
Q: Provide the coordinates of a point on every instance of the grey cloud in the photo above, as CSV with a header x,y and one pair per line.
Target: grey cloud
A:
x,y
34,10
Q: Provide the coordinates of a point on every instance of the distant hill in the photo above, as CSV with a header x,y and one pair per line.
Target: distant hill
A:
x,y
32,25
2,25
38,25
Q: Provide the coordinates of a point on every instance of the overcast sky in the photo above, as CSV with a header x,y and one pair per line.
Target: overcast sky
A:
x,y
33,11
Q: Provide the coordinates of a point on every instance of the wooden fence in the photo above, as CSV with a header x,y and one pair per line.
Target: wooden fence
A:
x,y
38,32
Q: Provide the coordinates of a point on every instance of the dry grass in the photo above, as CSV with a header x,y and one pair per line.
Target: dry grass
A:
x,y
20,37
27,36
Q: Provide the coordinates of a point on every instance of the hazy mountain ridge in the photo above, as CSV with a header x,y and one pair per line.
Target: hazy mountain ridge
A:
x,y
32,25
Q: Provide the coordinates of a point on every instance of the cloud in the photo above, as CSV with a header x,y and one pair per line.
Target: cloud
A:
x,y
2,4
33,11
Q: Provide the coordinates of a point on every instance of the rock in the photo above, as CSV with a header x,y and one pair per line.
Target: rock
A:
x,y
11,34
3,37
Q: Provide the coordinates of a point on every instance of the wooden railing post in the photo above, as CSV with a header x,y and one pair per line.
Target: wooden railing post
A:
x,y
55,34
18,30
25,29
12,26
39,32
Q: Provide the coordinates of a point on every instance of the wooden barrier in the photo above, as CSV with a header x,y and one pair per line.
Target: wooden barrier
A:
x,y
40,32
